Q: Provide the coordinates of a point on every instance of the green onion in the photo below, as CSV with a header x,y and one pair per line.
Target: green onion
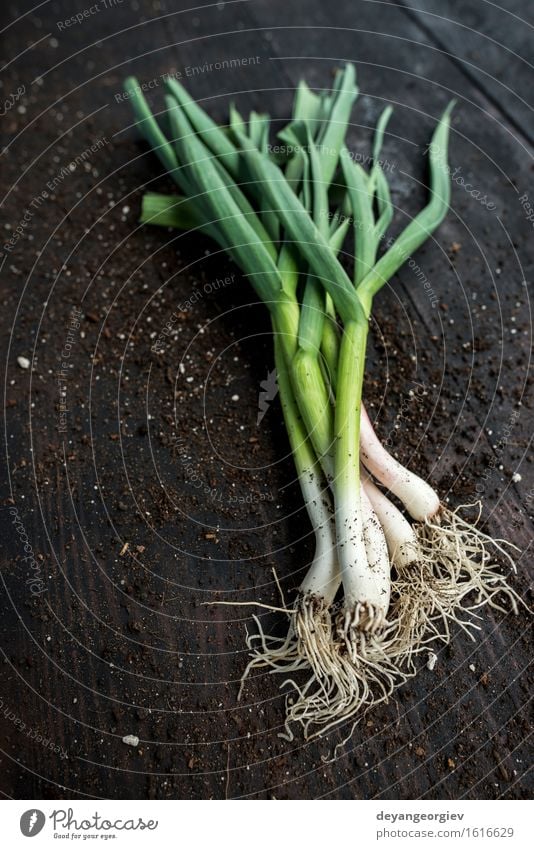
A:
x,y
357,625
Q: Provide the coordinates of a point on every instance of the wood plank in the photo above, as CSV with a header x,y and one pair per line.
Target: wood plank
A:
x,y
492,45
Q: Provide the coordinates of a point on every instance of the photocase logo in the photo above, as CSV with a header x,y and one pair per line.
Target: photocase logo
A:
x,y
32,822
269,391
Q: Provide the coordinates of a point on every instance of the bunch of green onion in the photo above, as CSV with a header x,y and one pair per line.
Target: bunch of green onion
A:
x,y
386,581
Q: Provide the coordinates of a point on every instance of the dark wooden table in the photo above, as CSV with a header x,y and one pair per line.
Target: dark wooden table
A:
x,y
155,490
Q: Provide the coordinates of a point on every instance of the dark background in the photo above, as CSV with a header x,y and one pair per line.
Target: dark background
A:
x,y
127,542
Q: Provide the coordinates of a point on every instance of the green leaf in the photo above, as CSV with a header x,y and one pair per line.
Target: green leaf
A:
x,y
237,123
385,206
210,132
377,179
337,234
208,177
168,211
380,130
363,219
258,130
238,196
312,315
149,127
303,232
288,270
178,212
332,136
319,188
307,105
313,301
424,223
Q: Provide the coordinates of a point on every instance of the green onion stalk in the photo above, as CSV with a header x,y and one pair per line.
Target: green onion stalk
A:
x,y
215,205
385,583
